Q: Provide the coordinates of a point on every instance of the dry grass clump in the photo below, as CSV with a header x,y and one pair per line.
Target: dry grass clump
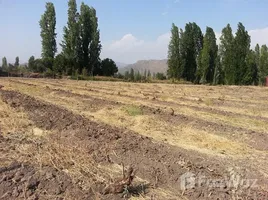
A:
x,y
11,120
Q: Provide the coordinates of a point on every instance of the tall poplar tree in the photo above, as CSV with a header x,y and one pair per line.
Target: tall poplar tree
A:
x,y
86,34
241,51
208,57
71,44
48,35
17,62
174,65
31,63
250,74
4,64
257,57
192,43
263,63
227,55
95,45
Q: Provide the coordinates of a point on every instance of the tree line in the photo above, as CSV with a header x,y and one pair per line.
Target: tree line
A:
x,y
10,68
145,76
81,46
195,57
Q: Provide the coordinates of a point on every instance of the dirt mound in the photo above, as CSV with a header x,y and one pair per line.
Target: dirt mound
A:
x,y
23,181
160,164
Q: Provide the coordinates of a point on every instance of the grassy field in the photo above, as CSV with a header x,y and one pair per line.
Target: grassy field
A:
x,y
87,129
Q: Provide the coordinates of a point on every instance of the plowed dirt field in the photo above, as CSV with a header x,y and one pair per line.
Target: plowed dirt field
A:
x,y
63,139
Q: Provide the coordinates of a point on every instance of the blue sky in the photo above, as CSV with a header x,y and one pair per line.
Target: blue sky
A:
x,y
130,29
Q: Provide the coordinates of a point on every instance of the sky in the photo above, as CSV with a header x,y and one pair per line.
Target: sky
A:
x,y
130,30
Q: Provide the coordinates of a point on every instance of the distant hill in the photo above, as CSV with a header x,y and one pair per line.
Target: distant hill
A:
x,y
153,65
120,65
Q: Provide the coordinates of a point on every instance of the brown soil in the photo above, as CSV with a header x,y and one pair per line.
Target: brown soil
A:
x,y
23,181
256,139
208,109
160,164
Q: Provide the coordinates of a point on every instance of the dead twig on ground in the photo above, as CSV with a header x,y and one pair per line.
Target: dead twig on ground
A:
x,y
121,185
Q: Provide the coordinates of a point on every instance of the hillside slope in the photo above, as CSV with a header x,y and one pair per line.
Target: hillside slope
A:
x,y
153,65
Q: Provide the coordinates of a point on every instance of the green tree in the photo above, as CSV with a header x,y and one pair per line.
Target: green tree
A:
x,y
257,57
149,74
97,70
160,76
218,73
208,57
241,50
192,43
227,55
95,45
263,63
59,64
71,42
174,65
86,33
108,67
131,75
11,68
4,64
31,63
250,72
137,76
126,76
17,62
48,36
39,66
144,77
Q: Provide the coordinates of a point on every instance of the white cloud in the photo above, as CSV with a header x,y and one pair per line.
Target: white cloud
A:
x,y
176,1
125,43
259,36
164,13
129,49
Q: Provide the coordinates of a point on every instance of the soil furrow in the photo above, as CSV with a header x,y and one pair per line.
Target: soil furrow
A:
x,y
207,109
255,139
160,164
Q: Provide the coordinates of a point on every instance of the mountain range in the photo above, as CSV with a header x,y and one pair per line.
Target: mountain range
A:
x,y
153,66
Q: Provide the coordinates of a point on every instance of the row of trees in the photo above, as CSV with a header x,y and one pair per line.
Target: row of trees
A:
x,y
137,76
197,58
10,68
81,45
81,40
